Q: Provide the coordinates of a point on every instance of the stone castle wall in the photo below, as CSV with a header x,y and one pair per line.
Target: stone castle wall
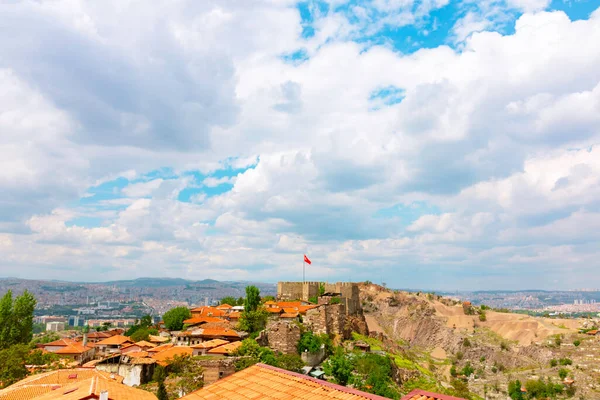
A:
x,y
297,290
283,336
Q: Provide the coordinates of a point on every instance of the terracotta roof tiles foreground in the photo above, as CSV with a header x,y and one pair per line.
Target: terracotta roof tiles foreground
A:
x,y
39,384
165,355
91,389
265,382
419,394
210,344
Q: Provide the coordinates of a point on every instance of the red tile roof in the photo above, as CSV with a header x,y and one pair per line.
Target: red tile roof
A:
x,y
228,348
265,382
201,320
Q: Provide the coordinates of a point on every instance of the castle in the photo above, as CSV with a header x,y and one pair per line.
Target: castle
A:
x,y
347,292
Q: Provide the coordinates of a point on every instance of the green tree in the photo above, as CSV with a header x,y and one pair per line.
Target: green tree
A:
x,y
340,367
229,300
12,364
252,301
553,363
160,374
309,342
16,319
174,318
514,390
576,342
253,321
264,299
146,321
143,334
161,394
291,362
468,369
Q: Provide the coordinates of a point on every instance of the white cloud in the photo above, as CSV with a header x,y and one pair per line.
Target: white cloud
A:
x,y
500,138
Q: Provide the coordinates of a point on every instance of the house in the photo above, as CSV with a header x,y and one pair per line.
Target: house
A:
x,y
419,394
593,332
100,389
136,369
158,339
137,347
226,349
53,382
204,347
71,349
207,311
265,382
113,344
197,321
76,352
163,357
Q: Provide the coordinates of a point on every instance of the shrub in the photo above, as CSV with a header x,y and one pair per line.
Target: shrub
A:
x,y
557,340
309,342
459,355
335,300
565,361
576,342
466,342
563,372
453,370
504,346
482,316
339,367
468,369
482,359
553,363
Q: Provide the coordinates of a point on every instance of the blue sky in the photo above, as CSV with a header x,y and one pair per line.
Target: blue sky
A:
x,y
436,144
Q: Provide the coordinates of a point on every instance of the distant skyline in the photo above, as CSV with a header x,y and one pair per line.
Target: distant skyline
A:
x,y
436,144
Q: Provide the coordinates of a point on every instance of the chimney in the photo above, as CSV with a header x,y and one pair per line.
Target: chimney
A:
x,y
103,395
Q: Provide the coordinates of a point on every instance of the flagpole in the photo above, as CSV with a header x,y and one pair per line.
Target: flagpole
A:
x,y
303,271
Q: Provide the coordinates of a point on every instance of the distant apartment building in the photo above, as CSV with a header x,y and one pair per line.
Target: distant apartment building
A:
x,y
44,319
76,320
55,326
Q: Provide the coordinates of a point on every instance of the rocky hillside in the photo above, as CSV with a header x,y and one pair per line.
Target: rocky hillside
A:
x,y
449,338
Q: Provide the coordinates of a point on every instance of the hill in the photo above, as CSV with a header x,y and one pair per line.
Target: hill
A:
x,y
483,347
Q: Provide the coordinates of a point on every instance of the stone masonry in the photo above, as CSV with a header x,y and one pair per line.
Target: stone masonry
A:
x,y
283,336
297,290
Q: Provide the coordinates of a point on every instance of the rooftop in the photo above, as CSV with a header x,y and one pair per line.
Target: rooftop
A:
x,y
265,382
228,348
114,340
91,389
40,384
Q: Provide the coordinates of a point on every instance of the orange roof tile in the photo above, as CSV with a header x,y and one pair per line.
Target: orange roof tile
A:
x,y
270,303
210,344
264,382
289,315
201,320
160,348
143,343
137,354
92,388
60,342
274,310
39,384
163,356
114,340
74,348
228,348
224,307
157,339
206,311
419,394
235,315
289,304
219,332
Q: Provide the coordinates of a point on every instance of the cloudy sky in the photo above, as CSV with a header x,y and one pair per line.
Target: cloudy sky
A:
x,y
430,144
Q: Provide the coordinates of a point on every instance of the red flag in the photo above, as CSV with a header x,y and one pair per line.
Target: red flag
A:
x,y
306,260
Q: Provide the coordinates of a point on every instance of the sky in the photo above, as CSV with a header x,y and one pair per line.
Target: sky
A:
x,y
433,144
